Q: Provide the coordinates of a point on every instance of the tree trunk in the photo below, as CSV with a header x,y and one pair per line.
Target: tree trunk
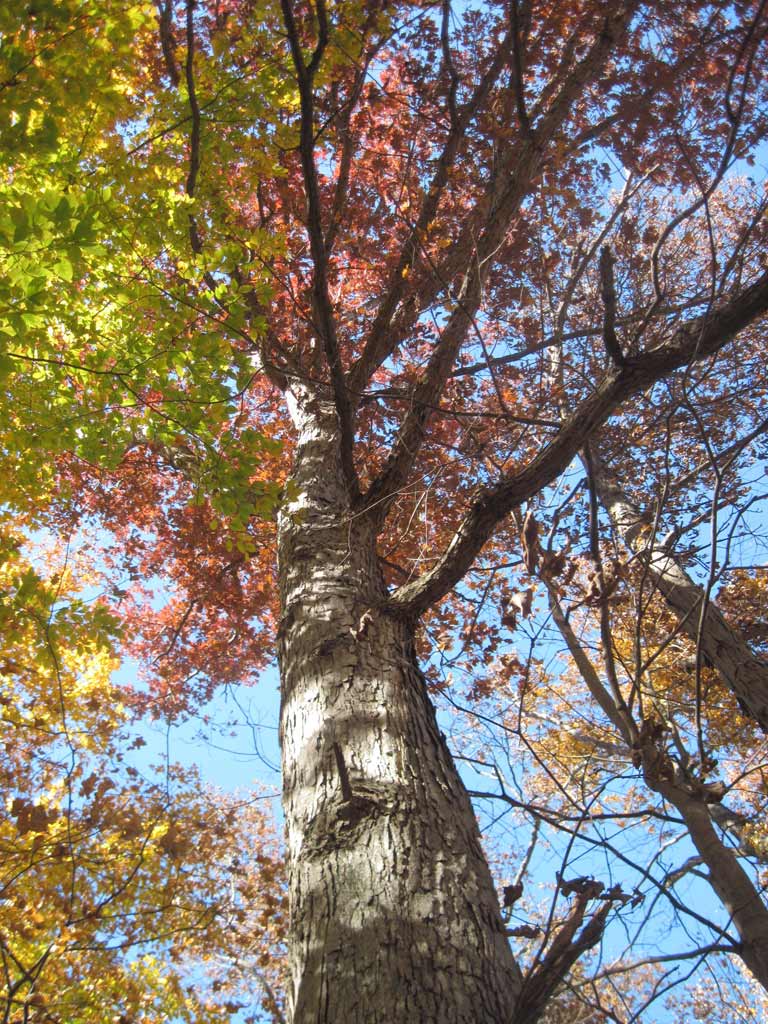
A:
x,y
727,877
722,645
394,916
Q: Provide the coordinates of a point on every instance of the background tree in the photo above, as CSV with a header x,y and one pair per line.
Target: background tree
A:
x,y
120,885
124,896
435,275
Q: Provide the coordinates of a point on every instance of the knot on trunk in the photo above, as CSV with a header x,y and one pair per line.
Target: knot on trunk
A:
x,y
648,753
343,823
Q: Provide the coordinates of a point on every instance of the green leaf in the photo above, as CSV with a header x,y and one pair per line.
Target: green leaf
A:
x,y
63,211
21,223
64,269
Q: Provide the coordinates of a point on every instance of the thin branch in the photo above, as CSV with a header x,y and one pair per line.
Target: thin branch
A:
x,y
518,85
699,618
734,118
586,332
614,708
167,42
691,954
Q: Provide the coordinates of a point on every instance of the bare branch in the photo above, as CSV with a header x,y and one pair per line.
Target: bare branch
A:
x,y
749,46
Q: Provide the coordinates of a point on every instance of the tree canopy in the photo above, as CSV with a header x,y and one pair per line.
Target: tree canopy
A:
x,y
421,347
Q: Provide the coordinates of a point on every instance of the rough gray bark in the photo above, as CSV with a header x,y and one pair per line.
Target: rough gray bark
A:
x,y
395,917
721,644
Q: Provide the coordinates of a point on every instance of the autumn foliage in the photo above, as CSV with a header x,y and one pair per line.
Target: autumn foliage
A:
x,y
518,249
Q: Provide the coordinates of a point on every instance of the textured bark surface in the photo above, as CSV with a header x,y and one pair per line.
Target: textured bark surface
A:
x,y
721,644
394,917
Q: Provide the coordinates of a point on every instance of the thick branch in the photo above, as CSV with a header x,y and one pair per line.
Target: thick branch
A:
x,y
348,139
546,119
165,21
578,79
396,318
517,67
566,948
322,309
194,109
448,66
427,393
608,294
692,342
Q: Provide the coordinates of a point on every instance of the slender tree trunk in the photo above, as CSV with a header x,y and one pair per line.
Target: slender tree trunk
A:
x,y
722,645
727,877
693,800
394,916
